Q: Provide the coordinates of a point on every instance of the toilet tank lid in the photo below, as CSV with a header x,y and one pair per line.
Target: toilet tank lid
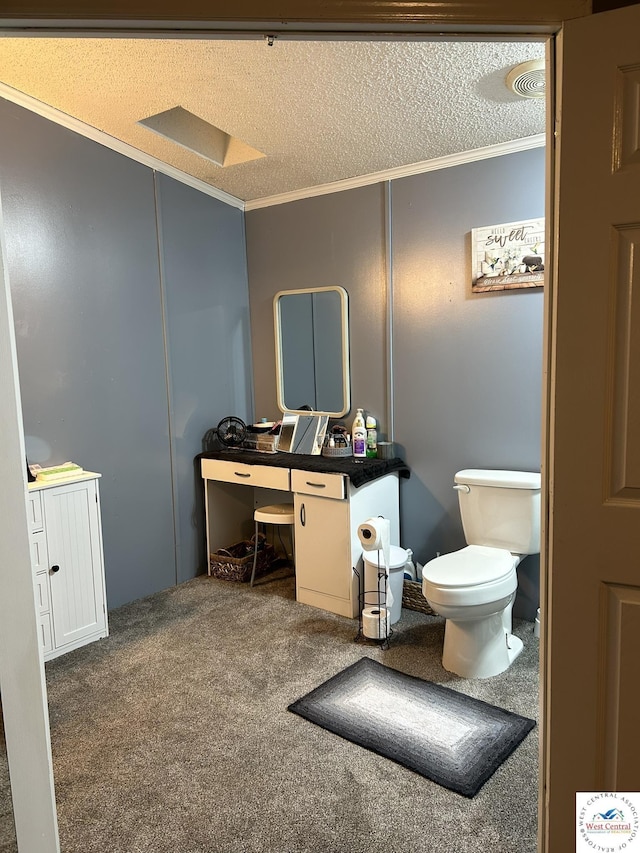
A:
x,y
499,479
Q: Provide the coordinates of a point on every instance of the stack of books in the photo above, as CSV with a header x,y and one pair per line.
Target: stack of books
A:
x,y
58,472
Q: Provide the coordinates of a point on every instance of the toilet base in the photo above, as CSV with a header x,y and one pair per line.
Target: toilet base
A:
x,y
479,649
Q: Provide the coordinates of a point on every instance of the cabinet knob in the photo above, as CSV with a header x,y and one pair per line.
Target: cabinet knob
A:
x,y
55,568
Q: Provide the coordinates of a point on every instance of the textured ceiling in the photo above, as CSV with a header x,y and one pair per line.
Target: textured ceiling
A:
x,y
319,111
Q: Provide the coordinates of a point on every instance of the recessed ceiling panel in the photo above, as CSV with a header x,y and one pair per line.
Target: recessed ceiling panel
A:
x,y
197,135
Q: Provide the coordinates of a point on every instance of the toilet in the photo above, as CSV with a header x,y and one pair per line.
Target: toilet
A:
x,y
474,588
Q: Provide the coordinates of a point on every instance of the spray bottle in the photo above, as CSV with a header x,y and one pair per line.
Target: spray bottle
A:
x,y
372,438
409,567
359,436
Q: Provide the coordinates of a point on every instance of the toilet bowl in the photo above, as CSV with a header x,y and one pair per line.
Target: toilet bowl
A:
x,y
474,588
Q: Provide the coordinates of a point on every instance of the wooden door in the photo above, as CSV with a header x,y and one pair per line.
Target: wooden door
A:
x,y
591,656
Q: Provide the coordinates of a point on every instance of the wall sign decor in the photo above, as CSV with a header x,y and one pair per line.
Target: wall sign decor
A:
x,y
508,256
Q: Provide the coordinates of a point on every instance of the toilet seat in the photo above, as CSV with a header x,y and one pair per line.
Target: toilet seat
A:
x,y
473,575
470,566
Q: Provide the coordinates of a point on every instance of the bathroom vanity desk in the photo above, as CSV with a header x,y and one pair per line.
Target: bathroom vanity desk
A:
x,y
331,497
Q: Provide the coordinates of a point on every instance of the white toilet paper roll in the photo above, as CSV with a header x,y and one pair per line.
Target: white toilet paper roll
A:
x,y
374,533
375,623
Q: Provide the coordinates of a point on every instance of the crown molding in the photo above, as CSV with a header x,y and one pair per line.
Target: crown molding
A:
x,y
498,150
102,138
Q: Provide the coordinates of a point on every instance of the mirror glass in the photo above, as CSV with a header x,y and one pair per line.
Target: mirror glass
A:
x,y
312,350
302,433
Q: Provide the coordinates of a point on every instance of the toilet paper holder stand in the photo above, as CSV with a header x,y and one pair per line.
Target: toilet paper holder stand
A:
x,y
380,633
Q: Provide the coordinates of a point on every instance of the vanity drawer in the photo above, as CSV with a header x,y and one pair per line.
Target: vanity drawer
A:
x,y
265,476
34,507
325,485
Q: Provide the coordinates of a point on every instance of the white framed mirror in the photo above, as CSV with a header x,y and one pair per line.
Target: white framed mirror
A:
x,y
312,350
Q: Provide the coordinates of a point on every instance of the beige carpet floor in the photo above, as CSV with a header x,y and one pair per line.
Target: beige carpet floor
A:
x,y
173,735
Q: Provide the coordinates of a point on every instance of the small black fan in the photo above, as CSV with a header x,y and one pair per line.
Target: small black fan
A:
x,y
231,431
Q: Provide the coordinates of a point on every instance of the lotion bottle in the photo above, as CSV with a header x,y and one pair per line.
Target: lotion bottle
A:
x,y
359,436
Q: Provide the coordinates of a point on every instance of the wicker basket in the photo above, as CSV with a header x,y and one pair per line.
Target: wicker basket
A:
x,y
236,562
413,599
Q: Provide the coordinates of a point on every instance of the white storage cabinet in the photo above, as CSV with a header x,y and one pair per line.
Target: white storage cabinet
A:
x,y
68,563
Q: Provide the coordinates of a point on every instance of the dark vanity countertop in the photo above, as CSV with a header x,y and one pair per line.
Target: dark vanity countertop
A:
x,y
359,471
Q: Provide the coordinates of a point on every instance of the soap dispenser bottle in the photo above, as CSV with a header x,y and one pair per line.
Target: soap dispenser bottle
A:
x,y
359,436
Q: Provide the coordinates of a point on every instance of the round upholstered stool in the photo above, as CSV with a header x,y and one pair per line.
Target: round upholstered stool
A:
x,y
272,514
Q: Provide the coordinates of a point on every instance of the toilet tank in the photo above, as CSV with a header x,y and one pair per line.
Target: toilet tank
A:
x,y
500,509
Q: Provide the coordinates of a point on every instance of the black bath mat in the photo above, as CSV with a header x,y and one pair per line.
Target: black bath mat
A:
x,y
450,738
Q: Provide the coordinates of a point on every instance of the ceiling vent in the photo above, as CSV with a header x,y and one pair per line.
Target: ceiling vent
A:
x,y
528,79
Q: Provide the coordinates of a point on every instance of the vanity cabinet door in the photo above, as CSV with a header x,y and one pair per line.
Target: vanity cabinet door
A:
x,y
323,553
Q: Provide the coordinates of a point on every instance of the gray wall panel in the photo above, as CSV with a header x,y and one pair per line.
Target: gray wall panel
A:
x,y
467,368
334,239
208,340
82,252
83,256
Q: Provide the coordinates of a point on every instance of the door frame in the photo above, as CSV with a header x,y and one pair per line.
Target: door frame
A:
x,y
485,20
24,700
